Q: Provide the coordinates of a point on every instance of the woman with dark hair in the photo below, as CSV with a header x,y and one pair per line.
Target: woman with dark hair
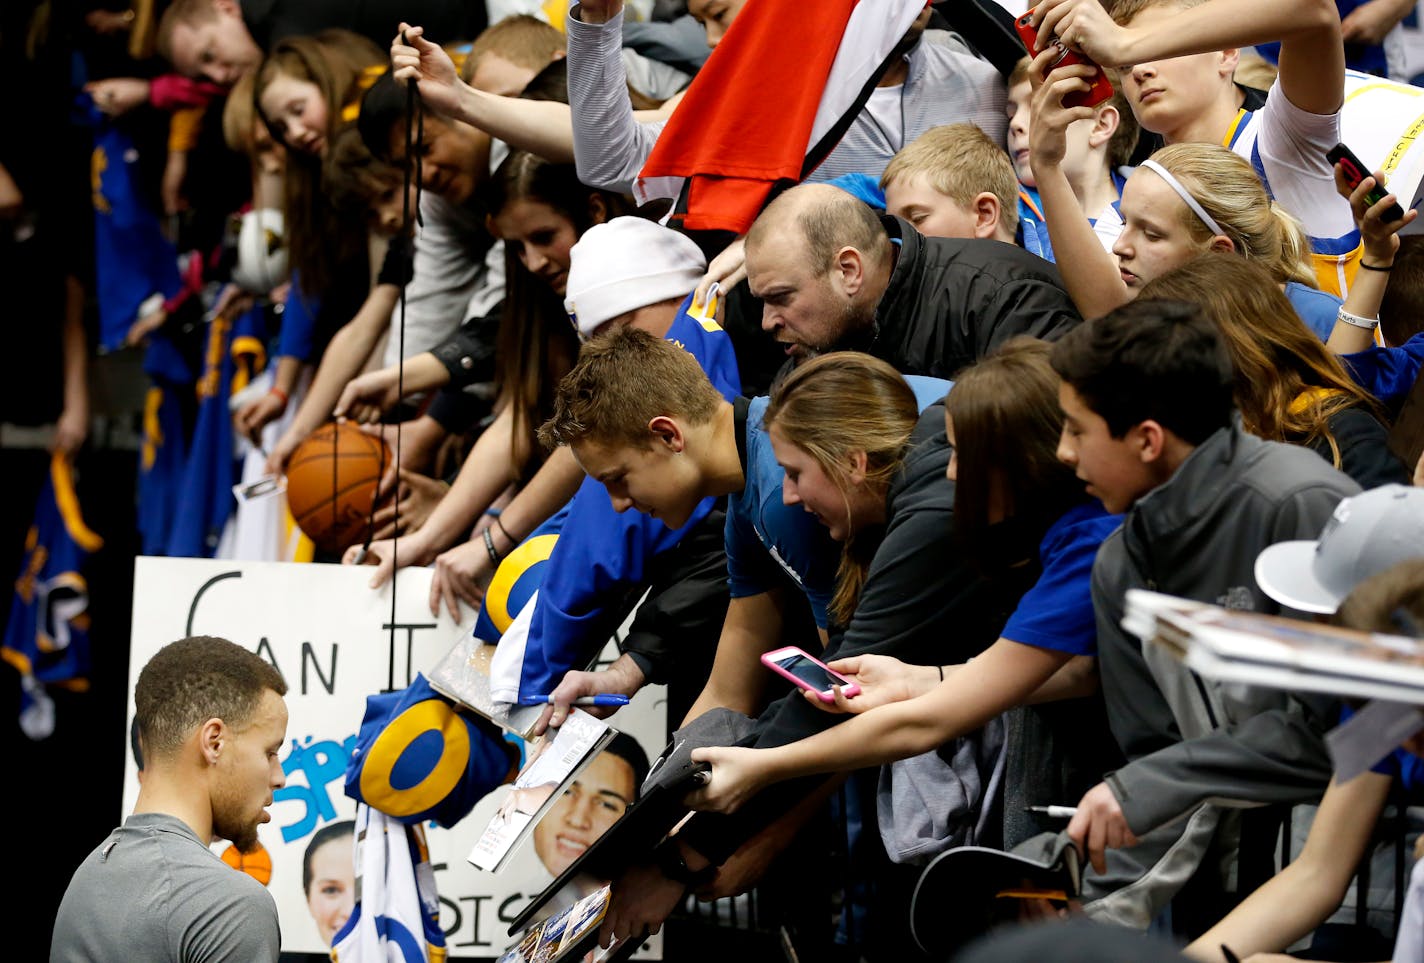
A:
x,y
1017,511
539,209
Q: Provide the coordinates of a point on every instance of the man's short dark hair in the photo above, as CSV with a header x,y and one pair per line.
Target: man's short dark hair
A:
x,y
196,679
628,749
1151,360
383,110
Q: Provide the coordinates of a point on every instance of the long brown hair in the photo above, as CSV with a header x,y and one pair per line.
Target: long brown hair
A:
x,y
339,63
836,405
537,345
1007,424
1287,385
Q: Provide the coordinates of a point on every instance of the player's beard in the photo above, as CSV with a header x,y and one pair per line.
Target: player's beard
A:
x,y
230,823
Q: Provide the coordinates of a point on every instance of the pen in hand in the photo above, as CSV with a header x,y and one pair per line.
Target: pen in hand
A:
x,y
1053,812
602,699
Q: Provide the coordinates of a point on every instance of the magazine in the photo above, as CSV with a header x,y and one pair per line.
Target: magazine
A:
x,y
567,937
551,769
1281,653
463,676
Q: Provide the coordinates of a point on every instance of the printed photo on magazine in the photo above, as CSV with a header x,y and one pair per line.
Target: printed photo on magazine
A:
x,y
576,781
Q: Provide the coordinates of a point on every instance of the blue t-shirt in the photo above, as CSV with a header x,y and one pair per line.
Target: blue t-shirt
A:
x,y
762,529
1057,613
1318,309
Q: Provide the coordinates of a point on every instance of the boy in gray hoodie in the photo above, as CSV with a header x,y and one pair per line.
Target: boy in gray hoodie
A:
x,y
1151,428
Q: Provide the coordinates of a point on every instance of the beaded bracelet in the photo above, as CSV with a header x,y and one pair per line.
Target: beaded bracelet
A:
x,y
489,546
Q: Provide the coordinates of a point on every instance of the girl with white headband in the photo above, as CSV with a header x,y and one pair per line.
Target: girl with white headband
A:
x,y
1186,199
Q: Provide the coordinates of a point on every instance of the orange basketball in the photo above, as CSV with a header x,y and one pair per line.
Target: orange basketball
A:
x,y
331,482
257,864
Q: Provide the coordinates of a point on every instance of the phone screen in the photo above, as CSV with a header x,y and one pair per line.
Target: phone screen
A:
x,y
809,672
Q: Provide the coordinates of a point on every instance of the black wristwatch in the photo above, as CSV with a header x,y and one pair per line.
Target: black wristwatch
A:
x,y
669,860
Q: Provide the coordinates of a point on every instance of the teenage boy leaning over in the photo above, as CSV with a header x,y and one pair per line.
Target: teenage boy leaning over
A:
x,y
1152,429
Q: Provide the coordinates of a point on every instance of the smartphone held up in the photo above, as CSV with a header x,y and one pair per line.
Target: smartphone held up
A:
x,y
1100,88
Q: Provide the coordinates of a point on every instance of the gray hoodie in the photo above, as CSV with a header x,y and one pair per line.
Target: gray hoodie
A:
x,y
1193,742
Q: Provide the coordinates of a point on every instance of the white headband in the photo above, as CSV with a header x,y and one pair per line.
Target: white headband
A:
x,y
1185,195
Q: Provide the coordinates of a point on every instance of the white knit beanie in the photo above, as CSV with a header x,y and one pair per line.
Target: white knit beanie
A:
x,y
625,264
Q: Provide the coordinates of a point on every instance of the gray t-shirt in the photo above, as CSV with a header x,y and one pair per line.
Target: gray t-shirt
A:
x,y
153,891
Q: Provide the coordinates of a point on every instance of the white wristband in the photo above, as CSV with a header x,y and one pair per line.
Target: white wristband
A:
x,y
1369,324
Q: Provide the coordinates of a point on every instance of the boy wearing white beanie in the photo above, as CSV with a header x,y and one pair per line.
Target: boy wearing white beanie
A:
x,y
626,265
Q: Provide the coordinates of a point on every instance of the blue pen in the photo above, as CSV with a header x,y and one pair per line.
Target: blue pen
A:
x,y
602,699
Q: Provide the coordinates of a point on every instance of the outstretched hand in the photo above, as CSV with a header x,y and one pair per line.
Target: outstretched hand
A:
x,y
415,58
737,775
1380,238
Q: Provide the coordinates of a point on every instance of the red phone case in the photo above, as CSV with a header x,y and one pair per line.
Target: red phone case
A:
x,y
1100,87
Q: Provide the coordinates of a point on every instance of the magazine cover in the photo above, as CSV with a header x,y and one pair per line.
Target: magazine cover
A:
x,y
550,772
463,675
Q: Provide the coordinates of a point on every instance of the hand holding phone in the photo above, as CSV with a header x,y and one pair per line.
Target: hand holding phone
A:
x,y
808,673
1099,87
1355,173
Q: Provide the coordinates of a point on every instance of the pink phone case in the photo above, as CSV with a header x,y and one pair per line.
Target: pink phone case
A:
x,y
768,659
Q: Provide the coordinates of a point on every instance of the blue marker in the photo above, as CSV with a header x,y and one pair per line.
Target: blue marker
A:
x,y
602,699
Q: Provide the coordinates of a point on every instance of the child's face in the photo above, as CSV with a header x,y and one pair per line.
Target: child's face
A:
x,y
1167,95
1113,468
388,207
933,214
1017,107
297,111
1154,238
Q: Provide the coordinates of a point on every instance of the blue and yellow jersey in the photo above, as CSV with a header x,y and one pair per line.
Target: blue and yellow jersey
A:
x,y
47,636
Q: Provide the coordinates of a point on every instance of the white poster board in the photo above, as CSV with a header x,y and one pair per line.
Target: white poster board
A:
x,y
328,634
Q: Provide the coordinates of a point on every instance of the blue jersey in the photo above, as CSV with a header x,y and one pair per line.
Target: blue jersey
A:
x,y
204,498
602,553
47,636
132,258
763,533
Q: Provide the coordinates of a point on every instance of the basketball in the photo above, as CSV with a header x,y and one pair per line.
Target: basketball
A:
x,y
257,864
331,483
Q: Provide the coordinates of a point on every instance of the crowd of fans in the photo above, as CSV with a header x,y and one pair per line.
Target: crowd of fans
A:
x,y
994,357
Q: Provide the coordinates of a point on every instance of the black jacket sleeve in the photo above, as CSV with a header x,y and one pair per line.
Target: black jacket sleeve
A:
x,y
469,353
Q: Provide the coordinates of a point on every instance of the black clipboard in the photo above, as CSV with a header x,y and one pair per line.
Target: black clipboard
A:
x,y
659,808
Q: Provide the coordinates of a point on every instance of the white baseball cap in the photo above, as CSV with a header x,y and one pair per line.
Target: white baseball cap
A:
x,y
1367,534
625,264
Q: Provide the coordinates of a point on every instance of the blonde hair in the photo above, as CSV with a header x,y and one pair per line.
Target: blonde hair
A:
x,y
837,405
521,39
1226,186
960,162
1123,11
239,115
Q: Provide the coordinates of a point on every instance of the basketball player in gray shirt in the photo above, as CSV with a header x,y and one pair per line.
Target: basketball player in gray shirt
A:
x,y
211,721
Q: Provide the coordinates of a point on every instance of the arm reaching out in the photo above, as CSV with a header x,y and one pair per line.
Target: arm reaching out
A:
x,y
1002,677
